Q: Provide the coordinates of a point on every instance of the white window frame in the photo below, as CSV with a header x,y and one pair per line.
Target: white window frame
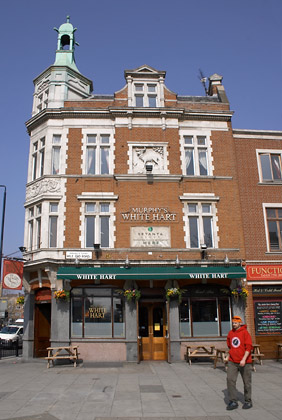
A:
x,y
259,153
196,148
98,214
38,158
53,215
42,100
34,214
97,198
200,200
146,94
98,146
266,206
56,151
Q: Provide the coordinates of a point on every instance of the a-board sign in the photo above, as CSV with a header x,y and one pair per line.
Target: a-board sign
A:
x,y
268,316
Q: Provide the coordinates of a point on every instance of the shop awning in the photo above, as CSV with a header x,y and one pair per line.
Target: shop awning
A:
x,y
150,273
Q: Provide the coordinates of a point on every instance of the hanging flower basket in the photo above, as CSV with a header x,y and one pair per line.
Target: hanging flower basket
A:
x,y
240,292
20,300
62,295
131,295
174,293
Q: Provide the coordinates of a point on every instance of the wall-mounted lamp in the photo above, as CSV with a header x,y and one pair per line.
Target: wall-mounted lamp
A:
x,y
97,250
226,260
77,262
149,167
22,248
127,262
204,254
177,262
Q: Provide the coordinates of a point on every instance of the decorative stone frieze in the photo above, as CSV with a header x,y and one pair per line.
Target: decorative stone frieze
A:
x,y
50,186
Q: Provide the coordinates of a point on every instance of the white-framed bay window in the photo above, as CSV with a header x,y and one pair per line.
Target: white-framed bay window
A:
x,y
56,154
98,153
34,227
38,158
53,224
97,219
200,220
195,153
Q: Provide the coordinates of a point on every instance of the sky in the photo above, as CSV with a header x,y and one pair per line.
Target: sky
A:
x,y
240,40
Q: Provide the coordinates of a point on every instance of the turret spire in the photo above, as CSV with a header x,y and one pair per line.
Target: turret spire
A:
x,y
66,45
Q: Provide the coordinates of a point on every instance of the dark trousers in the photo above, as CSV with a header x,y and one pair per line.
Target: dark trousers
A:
x,y
232,375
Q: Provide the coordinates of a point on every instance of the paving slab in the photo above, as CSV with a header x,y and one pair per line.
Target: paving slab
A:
x,y
149,390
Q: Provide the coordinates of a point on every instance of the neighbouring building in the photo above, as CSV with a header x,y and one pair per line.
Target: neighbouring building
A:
x,y
258,156
136,194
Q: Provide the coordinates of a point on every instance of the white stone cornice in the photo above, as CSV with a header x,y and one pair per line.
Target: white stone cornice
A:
x,y
149,178
97,196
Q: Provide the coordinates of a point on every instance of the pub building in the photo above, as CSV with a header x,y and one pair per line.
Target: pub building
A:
x,y
133,233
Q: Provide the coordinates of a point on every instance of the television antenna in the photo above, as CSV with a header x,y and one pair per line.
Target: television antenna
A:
x,y
203,80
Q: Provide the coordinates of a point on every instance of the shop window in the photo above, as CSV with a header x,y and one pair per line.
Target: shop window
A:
x,y
270,166
97,313
205,316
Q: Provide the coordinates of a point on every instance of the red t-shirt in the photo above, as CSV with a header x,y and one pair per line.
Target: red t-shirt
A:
x,y
239,341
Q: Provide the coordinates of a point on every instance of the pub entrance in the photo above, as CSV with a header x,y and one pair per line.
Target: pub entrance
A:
x,y
153,331
42,322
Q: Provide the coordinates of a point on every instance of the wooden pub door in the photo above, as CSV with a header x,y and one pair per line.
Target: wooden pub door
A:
x,y
42,322
152,330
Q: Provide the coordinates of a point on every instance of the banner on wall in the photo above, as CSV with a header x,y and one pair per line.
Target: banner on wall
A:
x,y
12,275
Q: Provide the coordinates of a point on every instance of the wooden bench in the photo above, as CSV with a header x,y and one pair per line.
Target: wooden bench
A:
x,y
63,352
256,355
200,352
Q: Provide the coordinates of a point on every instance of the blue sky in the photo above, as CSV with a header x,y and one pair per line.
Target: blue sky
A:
x,y
240,40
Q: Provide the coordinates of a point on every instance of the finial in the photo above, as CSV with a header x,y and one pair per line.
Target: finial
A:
x,y
68,19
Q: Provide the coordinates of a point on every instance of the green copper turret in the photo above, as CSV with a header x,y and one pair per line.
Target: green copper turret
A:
x,y
66,45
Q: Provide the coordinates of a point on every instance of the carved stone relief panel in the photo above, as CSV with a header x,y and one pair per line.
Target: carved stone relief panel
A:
x,y
153,155
44,186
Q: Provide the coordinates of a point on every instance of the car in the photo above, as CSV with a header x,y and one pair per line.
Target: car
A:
x,y
12,335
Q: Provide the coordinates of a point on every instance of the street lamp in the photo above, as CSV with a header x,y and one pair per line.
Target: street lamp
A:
x,y
2,231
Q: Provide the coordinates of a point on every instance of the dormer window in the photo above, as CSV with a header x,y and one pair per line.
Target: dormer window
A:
x,y
145,95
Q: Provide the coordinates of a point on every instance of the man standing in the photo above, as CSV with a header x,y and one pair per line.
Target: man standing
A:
x,y
240,346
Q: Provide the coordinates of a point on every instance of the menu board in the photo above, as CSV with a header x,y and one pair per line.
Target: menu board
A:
x,y
268,318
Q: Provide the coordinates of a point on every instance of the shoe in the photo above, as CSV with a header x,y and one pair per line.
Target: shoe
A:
x,y
247,404
232,405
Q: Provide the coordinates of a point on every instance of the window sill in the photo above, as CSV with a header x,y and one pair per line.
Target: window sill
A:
x,y
264,183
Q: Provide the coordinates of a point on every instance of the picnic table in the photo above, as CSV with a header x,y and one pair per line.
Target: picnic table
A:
x,y
62,352
200,352
222,353
256,355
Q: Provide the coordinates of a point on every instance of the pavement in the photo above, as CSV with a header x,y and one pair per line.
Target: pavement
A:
x,y
151,390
